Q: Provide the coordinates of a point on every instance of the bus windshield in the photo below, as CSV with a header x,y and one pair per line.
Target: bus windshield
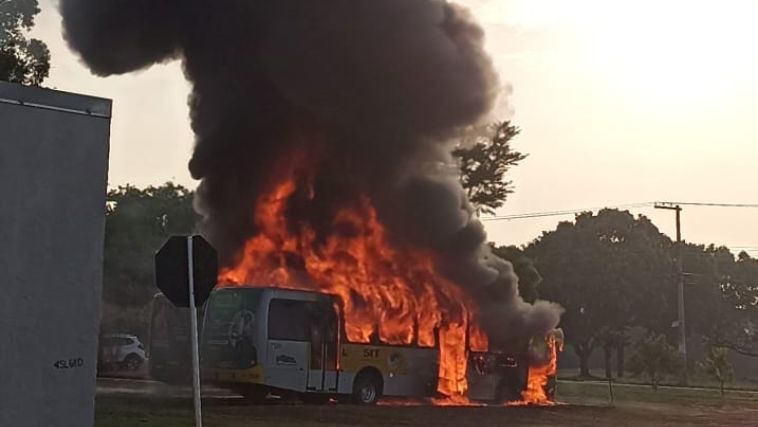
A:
x,y
230,329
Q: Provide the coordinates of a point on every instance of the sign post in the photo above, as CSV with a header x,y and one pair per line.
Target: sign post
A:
x,y
185,271
193,323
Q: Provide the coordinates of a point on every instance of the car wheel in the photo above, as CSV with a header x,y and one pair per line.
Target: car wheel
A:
x,y
367,388
132,362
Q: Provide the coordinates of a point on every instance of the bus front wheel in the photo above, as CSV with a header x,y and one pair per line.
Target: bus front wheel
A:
x,y
367,388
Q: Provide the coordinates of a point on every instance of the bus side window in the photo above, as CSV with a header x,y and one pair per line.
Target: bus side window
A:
x,y
322,330
330,338
316,329
287,320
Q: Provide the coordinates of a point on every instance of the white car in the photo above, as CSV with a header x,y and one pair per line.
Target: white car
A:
x,y
121,351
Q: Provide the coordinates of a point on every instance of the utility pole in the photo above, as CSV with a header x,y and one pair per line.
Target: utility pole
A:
x,y
680,284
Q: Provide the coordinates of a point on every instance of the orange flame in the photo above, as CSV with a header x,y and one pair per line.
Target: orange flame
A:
x,y
535,393
390,294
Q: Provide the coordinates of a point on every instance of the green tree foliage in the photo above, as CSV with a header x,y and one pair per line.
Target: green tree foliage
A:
x,y
610,271
705,269
22,60
523,266
485,155
717,365
722,298
138,221
654,358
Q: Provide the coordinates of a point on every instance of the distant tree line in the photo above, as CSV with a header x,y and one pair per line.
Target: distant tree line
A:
x,y
137,222
614,272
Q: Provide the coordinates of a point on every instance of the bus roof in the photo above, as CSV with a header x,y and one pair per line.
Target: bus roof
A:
x,y
277,292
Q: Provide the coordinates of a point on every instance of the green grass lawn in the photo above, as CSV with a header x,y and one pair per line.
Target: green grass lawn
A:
x,y
695,379
585,404
597,393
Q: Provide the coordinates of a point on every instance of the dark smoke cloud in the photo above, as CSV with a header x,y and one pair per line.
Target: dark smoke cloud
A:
x,y
380,87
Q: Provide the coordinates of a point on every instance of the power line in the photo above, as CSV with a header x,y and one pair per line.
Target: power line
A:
x,y
565,212
623,206
720,205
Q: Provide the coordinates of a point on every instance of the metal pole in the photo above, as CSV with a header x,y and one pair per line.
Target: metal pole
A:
x,y
680,286
680,295
193,323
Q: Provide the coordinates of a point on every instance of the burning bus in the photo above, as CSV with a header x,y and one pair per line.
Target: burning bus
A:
x,y
394,311
262,340
350,313
347,310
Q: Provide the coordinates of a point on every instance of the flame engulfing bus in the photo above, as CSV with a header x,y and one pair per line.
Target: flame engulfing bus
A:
x,y
261,341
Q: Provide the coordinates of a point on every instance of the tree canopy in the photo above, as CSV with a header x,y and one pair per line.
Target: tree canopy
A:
x,y
529,278
23,60
613,272
485,155
722,297
137,223
741,293
609,271
654,358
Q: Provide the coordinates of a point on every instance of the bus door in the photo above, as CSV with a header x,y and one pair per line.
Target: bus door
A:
x,y
322,369
288,346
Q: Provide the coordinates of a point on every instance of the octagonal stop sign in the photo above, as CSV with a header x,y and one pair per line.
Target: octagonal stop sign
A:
x,y
172,269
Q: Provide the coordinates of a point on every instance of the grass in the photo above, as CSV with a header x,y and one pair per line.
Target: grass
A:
x,y
587,405
582,393
695,380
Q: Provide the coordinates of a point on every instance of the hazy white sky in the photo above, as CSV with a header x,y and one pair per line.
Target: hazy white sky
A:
x,y
619,102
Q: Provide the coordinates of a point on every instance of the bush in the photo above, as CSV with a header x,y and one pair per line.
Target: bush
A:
x,y
717,365
654,358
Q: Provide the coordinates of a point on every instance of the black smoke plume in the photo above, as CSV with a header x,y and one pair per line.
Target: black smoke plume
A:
x,y
380,87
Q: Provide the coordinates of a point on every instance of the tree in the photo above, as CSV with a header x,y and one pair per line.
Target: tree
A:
x,y
485,155
717,365
654,358
612,338
138,221
610,271
723,294
721,299
528,276
22,60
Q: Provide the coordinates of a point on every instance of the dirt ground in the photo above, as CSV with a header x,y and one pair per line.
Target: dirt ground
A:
x,y
636,407
226,414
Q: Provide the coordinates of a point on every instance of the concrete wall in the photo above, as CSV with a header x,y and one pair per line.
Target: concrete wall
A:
x,y
53,171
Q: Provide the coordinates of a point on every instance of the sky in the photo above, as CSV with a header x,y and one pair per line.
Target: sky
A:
x,y
619,102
